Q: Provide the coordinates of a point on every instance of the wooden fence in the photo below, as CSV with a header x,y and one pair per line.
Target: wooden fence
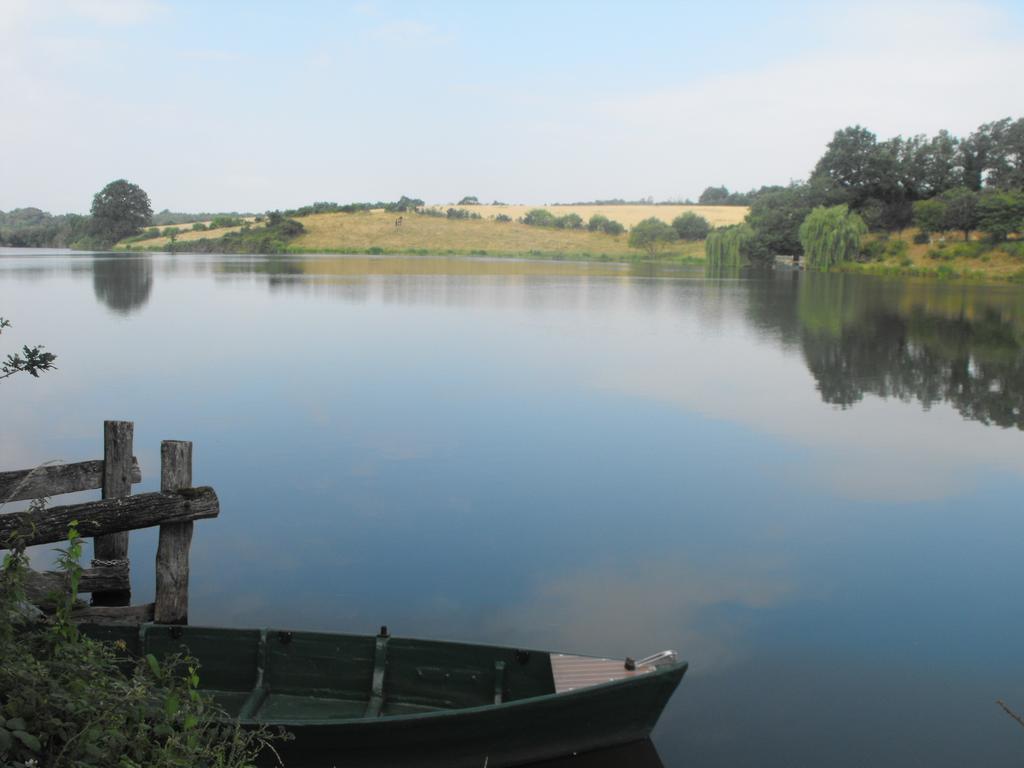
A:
x,y
173,508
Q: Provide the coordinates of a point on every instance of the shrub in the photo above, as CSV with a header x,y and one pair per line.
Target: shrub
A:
x,y
651,235
597,222
199,227
223,220
66,699
922,238
503,218
613,228
170,231
569,221
896,249
539,217
874,250
690,226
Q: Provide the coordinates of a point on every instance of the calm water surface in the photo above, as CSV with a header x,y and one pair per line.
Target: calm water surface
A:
x,y
807,484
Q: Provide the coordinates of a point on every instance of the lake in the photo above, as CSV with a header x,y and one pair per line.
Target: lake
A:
x,y
808,484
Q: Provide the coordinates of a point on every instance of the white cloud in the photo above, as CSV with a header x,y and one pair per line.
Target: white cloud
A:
x,y
895,69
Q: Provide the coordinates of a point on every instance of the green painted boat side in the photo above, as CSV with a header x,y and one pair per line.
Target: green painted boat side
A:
x,y
372,700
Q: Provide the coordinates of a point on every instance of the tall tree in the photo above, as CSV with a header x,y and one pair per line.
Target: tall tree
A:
x,y
119,210
961,210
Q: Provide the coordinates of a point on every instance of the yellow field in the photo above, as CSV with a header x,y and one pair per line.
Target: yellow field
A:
x,y
627,215
357,232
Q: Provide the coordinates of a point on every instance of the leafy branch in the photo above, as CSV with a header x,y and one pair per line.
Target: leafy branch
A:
x,y
31,360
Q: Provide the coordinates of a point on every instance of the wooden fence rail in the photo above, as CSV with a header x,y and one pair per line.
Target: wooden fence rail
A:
x,y
56,479
173,508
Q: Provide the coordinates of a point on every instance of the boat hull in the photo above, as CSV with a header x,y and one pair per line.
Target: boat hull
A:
x,y
501,735
358,700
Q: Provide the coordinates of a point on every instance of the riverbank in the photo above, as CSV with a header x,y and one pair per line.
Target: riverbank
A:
x,y
948,258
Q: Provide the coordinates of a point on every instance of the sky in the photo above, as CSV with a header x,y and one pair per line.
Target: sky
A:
x,y
252,106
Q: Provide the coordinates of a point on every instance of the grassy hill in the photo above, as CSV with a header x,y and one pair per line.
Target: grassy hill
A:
x,y
375,231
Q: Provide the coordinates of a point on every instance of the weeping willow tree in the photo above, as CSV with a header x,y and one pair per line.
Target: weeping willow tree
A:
x,y
831,235
725,249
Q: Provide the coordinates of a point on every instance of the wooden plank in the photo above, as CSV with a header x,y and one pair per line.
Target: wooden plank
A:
x,y
55,479
572,672
40,584
175,538
113,546
99,517
121,614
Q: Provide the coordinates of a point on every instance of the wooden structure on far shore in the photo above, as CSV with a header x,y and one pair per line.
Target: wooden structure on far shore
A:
x,y
108,521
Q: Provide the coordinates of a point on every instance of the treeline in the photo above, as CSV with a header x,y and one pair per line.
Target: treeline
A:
x,y
34,228
977,183
166,217
402,205
722,195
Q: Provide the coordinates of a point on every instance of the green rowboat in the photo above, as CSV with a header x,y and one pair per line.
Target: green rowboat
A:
x,y
383,700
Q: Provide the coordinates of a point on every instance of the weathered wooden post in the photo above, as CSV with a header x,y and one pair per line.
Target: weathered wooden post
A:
x,y
175,538
112,549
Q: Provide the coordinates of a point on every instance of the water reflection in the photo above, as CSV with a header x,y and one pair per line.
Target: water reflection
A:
x,y
122,283
640,754
905,339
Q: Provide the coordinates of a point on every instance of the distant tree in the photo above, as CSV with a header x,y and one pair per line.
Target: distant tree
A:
x,y
503,218
940,166
854,164
539,217
1006,161
31,360
118,210
612,227
961,210
831,235
569,221
728,247
776,217
597,222
930,215
469,200
651,235
405,204
1001,213
714,196
690,226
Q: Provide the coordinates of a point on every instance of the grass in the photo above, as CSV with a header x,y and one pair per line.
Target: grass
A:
x,y
945,258
375,232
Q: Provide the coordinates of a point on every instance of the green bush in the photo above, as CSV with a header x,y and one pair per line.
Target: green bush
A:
x,y
690,226
199,227
539,217
896,249
224,220
874,250
68,700
651,235
503,218
612,227
922,238
569,221
170,231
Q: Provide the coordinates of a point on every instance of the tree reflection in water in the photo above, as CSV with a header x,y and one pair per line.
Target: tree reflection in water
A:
x,y
123,283
913,340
